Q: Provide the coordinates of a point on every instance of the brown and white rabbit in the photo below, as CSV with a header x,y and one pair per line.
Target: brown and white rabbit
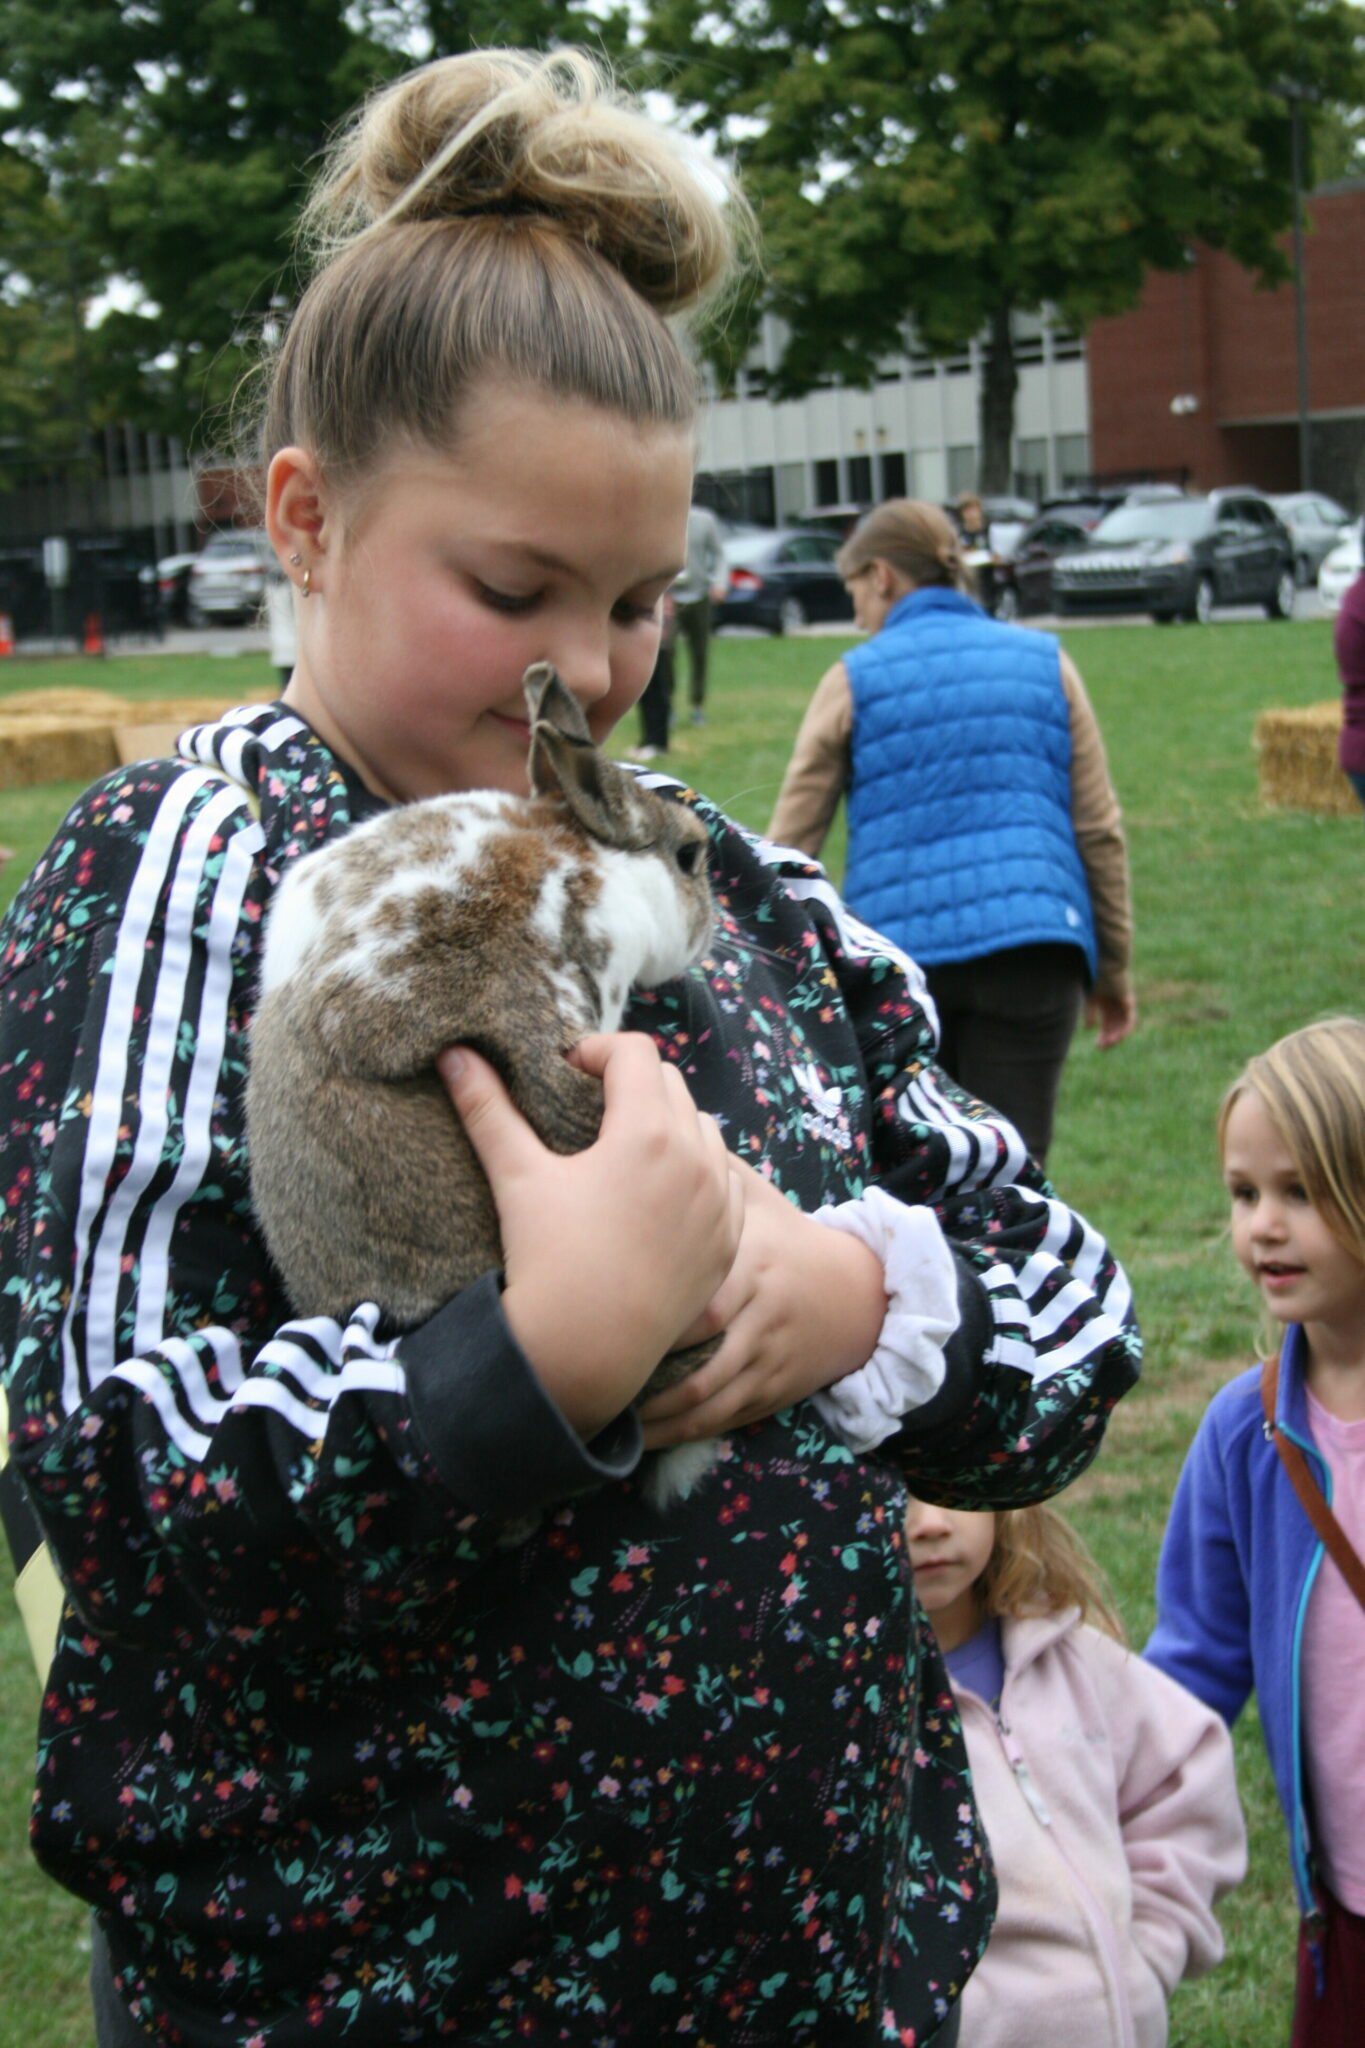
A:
x,y
515,925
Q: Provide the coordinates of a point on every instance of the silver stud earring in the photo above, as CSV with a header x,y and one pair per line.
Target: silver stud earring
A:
x,y
296,560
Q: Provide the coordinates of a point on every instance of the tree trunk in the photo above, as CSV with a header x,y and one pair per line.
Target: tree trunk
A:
x,y
999,384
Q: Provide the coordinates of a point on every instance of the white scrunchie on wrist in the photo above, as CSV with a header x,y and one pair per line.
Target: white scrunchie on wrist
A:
x,y
907,1367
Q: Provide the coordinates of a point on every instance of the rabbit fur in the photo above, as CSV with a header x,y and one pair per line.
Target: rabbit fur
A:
x,y
515,925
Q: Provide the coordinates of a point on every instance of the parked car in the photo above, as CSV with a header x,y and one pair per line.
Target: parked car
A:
x,y
1178,558
1023,580
229,576
1341,568
1315,525
172,578
783,580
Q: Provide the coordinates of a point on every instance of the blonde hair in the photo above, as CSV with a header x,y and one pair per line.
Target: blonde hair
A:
x,y
915,539
1038,1565
502,214
1312,1084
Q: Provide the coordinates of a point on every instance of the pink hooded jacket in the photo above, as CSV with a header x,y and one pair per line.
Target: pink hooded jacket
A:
x,y
1110,1801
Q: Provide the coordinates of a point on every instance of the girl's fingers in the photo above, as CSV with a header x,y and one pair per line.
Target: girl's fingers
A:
x,y
499,1133
740,1400
688,1394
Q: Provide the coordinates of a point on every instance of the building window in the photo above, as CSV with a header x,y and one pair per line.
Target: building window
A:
x,y
860,478
961,469
744,494
891,468
792,499
827,481
1066,347
1071,458
1030,468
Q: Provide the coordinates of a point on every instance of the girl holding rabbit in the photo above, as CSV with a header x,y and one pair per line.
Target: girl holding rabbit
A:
x,y
332,1757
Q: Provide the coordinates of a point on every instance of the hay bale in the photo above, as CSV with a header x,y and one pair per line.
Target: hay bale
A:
x,y
54,750
186,711
1298,761
94,731
72,704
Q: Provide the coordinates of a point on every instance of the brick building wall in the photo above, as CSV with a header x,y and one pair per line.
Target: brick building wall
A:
x,y
1209,334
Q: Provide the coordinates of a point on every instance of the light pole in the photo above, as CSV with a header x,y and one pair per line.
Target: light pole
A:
x,y
1295,94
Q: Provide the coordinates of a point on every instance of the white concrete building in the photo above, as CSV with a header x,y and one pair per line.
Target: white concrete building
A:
x,y
913,433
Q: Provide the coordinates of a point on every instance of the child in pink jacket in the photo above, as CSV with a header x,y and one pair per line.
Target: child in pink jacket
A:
x,y
1107,1791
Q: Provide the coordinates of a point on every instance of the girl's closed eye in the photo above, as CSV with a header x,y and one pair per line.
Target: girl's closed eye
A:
x,y
506,600
627,614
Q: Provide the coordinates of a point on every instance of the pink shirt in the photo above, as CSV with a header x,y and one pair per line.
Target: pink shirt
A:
x,y
1334,1675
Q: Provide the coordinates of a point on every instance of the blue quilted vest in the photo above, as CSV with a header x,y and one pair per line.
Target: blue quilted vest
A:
x,y
960,840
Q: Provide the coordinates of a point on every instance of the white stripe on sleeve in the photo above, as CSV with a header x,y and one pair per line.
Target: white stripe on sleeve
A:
x,y
106,1112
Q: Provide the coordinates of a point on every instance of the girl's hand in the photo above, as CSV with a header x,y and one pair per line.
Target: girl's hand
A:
x,y
800,1307
610,1252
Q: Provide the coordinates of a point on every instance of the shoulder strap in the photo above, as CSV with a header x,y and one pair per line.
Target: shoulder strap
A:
x,y
1334,1537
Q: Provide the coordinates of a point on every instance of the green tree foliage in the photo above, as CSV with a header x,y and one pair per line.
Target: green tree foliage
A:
x,y
40,299
173,139
954,162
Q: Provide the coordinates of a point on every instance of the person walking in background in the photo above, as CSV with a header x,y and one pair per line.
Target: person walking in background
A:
x,y
1261,1582
1108,1792
656,705
701,584
1348,641
984,834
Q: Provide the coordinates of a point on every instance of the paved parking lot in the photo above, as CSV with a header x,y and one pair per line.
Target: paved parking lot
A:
x,y
227,641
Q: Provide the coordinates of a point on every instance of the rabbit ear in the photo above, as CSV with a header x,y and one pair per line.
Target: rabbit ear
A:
x,y
565,763
549,703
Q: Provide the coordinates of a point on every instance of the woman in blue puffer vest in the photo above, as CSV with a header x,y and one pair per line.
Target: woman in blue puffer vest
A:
x,y
984,835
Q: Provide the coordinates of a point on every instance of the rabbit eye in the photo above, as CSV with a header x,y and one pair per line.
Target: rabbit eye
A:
x,y
689,856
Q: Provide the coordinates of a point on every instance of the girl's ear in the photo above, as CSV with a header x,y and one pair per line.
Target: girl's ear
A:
x,y
296,511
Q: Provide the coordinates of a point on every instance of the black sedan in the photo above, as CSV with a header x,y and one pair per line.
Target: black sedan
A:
x,y
1178,558
782,580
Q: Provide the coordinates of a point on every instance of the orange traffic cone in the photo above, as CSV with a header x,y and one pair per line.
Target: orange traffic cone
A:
x,y
94,634
6,634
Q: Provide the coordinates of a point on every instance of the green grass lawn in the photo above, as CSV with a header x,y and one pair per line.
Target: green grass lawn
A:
x,y
1248,925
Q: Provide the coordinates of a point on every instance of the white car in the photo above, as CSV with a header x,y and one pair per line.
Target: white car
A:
x,y
229,577
1340,570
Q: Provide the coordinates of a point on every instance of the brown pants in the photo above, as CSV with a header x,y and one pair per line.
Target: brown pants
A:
x,y
1006,1023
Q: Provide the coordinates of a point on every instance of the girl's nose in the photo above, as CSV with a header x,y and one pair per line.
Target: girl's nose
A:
x,y
924,1521
585,668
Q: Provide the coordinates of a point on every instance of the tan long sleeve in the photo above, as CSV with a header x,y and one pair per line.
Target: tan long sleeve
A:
x,y
818,770
1098,824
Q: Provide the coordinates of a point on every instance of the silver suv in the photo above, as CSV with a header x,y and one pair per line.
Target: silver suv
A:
x,y
229,577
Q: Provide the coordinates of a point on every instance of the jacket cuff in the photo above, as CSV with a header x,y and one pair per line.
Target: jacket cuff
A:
x,y
964,1356
496,1438
906,1369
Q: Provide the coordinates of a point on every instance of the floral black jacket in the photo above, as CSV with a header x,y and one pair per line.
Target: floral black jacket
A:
x,y
331,1757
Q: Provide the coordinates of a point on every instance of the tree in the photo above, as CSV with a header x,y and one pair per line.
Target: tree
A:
x,y
175,139
956,162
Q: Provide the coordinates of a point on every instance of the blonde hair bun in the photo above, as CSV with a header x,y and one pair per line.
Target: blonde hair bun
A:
x,y
509,133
